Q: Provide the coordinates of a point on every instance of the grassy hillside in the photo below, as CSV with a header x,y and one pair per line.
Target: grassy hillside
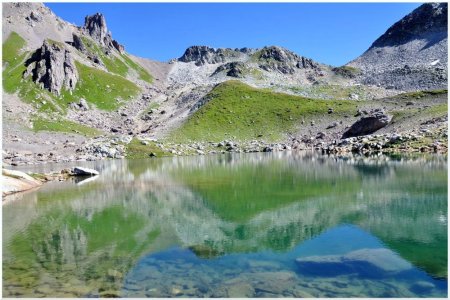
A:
x,y
13,68
116,65
105,90
236,110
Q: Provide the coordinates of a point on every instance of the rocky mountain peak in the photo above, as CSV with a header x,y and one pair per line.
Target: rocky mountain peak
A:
x,y
53,68
428,21
277,58
95,27
277,53
202,55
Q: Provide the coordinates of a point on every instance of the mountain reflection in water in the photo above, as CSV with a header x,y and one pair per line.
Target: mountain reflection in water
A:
x,y
253,225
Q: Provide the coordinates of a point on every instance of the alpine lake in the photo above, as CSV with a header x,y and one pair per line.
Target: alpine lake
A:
x,y
234,225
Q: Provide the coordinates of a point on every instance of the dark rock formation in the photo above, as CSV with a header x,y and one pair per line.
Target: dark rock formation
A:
x,y
233,69
78,44
80,171
95,26
426,19
275,58
82,105
53,68
375,120
202,55
34,16
119,47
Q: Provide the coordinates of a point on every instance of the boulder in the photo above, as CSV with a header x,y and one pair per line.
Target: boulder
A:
x,y
80,171
374,121
83,104
15,181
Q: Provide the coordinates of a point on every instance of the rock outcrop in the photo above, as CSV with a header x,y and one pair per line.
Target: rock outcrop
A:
x,y
95,27
412,54
275,58
53,68
375,120
202,55
78,44
233,69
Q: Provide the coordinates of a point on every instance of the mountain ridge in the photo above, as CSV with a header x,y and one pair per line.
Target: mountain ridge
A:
x,y
56,73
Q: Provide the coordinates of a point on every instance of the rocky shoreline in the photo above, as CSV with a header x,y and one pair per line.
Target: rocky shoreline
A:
x,y
424,141
14,182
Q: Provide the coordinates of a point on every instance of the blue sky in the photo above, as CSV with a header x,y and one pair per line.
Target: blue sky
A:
x,y
332,33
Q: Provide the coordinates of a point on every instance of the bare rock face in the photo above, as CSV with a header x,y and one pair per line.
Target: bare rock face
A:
x,y
119,47
376,120
233,69
95,26
53,68
275,58
78,44
201,55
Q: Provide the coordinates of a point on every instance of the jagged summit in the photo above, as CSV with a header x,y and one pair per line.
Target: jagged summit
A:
x,y
429,21
268,58
95,26
202,55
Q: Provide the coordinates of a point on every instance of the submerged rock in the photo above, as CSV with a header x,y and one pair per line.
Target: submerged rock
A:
x,y
240,290
370,262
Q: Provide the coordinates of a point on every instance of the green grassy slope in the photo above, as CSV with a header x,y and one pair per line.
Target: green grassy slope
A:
x,y
116,65
105,90
14,67
100,88
237,110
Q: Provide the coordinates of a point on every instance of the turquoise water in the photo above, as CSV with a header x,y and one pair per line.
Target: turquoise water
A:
x,y
250,225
